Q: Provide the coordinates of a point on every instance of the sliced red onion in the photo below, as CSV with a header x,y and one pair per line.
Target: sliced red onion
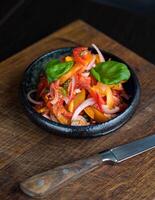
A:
x,y
92,63
77,90
56,98
101,57
54,86
72,87
66,100
43,90
46,116
54,90
32,100
80,120
82,106
110,111
85,74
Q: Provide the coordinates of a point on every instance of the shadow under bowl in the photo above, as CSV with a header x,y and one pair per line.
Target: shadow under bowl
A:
x,y
31,78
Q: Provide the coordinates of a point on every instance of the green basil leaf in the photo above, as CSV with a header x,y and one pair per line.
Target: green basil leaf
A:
x,y
52,62
111,72
55,69
96,74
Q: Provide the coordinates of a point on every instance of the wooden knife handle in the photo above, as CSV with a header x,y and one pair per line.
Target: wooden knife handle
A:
x,y
46,182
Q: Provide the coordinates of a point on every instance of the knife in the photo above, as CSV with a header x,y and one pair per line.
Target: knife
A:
x,y
47,182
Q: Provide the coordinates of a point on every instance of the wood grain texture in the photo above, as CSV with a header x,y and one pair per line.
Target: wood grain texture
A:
x,y
26,150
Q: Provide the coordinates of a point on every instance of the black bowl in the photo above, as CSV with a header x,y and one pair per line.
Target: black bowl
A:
x,y
30,81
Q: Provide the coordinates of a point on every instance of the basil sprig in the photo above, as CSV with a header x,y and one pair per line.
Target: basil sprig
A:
x,y
55,69
111,72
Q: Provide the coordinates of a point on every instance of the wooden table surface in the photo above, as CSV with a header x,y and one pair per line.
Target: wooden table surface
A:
x,y
26,150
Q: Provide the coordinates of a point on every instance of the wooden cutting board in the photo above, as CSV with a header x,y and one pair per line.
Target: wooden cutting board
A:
x,y
26,150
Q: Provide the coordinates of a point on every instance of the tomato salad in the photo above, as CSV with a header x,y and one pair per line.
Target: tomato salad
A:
x,y
81,89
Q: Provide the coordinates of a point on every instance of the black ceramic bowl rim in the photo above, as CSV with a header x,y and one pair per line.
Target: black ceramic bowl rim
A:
x,y
79,131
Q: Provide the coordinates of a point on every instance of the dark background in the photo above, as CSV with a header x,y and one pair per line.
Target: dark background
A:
x,y
130,22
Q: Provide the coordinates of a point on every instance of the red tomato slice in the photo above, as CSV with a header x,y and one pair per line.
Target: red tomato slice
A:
x,y
82,55
99,100
83,82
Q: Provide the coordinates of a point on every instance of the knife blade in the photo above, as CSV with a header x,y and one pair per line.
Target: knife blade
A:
x,y
126,151
47,182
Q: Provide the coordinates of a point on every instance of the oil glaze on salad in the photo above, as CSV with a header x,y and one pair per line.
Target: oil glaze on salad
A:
x,y
81,89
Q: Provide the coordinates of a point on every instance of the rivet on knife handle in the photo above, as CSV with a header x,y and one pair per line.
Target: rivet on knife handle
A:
x,y
45,183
